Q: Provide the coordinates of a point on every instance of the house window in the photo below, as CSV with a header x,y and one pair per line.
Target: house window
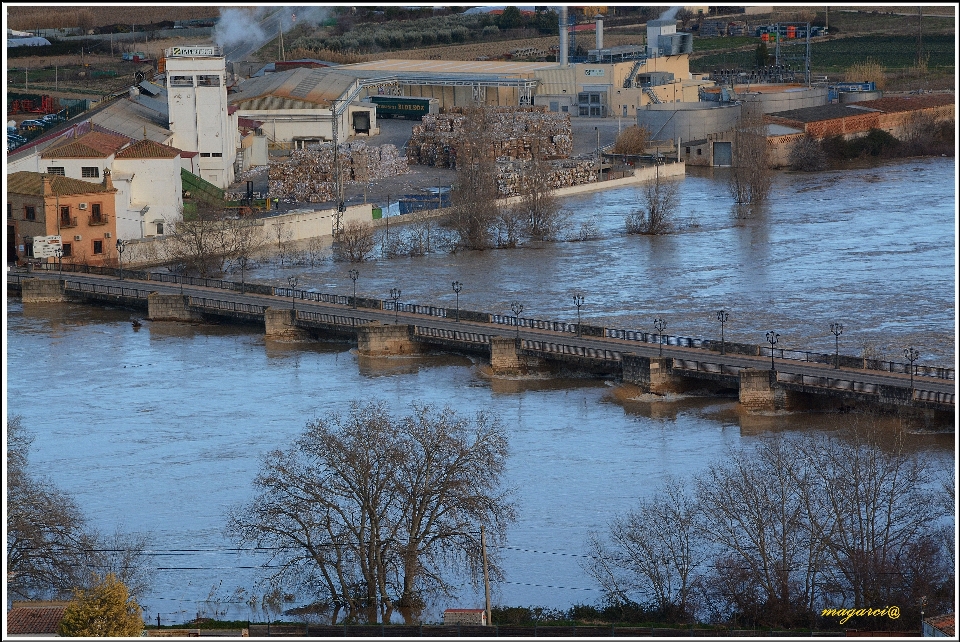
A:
x,y
699,152
9,210
159,228
90,172
204,154
217,155
68,249
96,216
98,247
688,150
29,213
208,81
56,171
181,81
64,215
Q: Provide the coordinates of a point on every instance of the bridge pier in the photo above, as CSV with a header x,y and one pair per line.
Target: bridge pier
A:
x,y
759,390
281,323
374,339
503,355
651,374
42,291
170,307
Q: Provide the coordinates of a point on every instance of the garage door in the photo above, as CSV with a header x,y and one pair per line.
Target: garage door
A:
x,y
722,154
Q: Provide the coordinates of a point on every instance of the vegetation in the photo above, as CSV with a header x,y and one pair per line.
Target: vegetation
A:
x,y
750,176
50,547
475,211
767,538
632,140
660,200
807,155
104,610
369,510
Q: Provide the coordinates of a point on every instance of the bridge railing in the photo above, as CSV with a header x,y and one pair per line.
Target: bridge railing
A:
x,y
534,324
228,306
335,319
413,308
454,335
577,351
115,290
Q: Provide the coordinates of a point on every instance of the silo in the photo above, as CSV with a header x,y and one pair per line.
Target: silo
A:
x,y
688,121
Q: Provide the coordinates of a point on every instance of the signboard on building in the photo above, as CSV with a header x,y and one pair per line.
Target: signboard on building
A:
x,y
193,51
593,72
45,247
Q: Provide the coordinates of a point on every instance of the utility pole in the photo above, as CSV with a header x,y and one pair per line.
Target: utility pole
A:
x,y
486,577
337,176
919,35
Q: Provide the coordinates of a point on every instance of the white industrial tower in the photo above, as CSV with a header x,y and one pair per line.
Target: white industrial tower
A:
x,y
199,118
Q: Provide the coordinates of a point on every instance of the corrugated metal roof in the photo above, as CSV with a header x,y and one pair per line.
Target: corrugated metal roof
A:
x,y
31,184
135,120
148,149
295,89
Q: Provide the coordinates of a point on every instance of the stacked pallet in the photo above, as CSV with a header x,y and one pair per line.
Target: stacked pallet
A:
x,y
514,134
562,173
308,175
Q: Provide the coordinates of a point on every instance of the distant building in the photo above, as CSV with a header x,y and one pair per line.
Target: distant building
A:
x,y
940,626
35,619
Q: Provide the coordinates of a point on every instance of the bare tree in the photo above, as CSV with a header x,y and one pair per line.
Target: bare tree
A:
x,y
539,209
660,199
356,242
200,243
474,197
807,155
750,177
653,554
282,235
632,140
369,510
245,239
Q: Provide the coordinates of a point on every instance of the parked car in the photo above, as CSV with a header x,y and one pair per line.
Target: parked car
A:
x,y
32,124
51,118
17,138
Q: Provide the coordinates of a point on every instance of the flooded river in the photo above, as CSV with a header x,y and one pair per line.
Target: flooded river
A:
x,y
160,430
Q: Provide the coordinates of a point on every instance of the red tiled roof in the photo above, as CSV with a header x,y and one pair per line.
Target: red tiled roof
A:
x,y
148,149
943,623
894,104
31,183
34,620
91,145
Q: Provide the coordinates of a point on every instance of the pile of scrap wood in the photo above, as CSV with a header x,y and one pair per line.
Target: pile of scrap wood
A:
x,y
514,134
560,173
308,175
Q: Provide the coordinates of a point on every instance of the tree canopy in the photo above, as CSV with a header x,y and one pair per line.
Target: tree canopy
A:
x,y
371,511
104,610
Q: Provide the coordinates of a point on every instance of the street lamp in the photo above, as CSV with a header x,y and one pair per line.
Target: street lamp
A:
x,y
457,286
517,308
120,245
660,325
578,301
292,281
772,339
354,274
837,330
722,316
59,254
395,295
599,163
911,355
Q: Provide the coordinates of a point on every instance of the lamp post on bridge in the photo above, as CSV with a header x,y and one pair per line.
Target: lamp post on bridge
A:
x,y
120,246
517,308
457,286
837,330
292,281
911,355
660,325
395,295
578,301
354,275
722,316
772,339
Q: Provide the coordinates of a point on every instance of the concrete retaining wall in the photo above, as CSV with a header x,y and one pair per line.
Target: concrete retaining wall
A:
x,y
42,291
170,307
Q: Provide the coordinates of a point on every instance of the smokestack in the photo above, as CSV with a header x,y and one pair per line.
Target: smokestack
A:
x,y
564,26
599,32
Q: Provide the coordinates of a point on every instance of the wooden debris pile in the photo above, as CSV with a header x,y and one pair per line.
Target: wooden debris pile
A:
x,y
308,175
514,133
561,173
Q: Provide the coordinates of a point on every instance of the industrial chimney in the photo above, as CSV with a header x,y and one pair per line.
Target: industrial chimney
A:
x,y
599,32
564,26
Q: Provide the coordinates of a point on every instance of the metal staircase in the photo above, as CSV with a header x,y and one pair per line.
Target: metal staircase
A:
x,y
628,82
654,98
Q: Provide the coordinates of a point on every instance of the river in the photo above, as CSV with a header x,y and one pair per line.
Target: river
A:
x,y
160,430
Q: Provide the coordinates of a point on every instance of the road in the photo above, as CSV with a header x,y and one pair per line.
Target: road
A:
x,y
784,366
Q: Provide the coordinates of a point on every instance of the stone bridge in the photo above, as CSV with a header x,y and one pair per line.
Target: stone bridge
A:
x,y
514,345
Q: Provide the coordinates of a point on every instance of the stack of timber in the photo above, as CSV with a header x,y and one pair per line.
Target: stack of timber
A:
x,y
514,134
308,176
560,173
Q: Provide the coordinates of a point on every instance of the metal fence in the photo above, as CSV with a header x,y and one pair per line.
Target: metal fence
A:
x,y
576,351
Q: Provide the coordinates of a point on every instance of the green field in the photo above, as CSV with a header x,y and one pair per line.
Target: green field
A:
x,y
833,56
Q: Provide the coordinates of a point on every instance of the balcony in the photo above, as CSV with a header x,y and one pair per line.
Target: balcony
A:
x,y
68,221
97,219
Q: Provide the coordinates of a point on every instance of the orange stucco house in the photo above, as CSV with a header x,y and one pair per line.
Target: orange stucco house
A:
x,y
82,213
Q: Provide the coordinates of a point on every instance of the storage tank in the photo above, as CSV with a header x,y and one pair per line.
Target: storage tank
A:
x,y
858,96
688,121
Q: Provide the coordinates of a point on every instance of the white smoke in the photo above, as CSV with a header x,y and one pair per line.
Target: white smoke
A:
x,y
670,13
258,26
